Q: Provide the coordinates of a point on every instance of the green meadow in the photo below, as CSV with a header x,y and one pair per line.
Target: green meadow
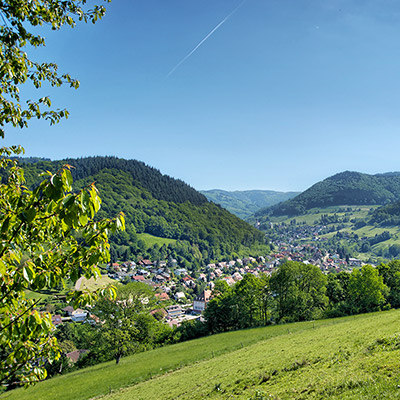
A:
x,y
356,358
314,214
151,240
351,358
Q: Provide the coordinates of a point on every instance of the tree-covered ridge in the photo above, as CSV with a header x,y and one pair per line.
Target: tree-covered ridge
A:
x,y
345,188
204,230
161,187
247,202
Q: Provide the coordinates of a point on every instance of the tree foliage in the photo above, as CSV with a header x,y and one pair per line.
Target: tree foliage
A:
x,y
48,235
299,290
126,325
18,32
367,292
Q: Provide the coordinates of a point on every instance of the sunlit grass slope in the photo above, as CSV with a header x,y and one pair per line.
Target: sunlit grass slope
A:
x,y
350,358
102,378
356,358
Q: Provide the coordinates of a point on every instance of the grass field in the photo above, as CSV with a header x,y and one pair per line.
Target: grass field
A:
x,y
357,358
350,358
150,240
359,212
93,284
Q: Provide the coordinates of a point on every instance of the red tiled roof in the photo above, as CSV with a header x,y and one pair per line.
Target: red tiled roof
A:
x,y
162,296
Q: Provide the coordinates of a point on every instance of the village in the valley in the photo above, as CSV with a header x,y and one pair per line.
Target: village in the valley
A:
x,y
183,295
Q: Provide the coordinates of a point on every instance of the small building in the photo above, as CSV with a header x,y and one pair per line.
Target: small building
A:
x,y
237,277
355,262
146,263
56,319
75,355
68,310
179,295
180,271
200,302
174,311
79,315
162,296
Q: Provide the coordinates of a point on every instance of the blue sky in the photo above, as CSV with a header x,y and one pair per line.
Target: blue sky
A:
x,y
283,94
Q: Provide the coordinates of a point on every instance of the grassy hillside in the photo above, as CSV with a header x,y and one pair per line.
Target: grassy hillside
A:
x,y
247,202
388,215
341,189
346,225
352,358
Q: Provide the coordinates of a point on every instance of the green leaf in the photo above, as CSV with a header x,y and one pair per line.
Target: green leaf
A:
x,y
83,219
28,272
30,215
85,199
68,200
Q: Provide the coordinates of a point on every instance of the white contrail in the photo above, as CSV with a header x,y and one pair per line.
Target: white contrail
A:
x,y
205,38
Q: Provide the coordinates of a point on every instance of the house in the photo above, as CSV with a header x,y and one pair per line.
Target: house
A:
x,y
174,311
180,271
146,263
218,272
162,296
355,262
229,280
68,310
166,275
179,295
56,319
200,302
93,319
79,315
138,278
74,356
188,282
237,277
159,278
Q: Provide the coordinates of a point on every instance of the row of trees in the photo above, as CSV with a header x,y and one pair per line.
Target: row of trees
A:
x,y
300,292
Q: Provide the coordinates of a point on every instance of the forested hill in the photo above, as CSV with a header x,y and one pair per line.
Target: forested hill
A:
x,y
158,205
345,188
247,202
161,187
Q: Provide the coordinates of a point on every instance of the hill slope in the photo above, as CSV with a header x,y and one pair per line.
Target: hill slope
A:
x,y
388,215
354,357
247,202
159,205
345,188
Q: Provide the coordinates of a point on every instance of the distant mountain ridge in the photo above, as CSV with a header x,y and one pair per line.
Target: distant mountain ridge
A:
x,y
244,203
345,188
